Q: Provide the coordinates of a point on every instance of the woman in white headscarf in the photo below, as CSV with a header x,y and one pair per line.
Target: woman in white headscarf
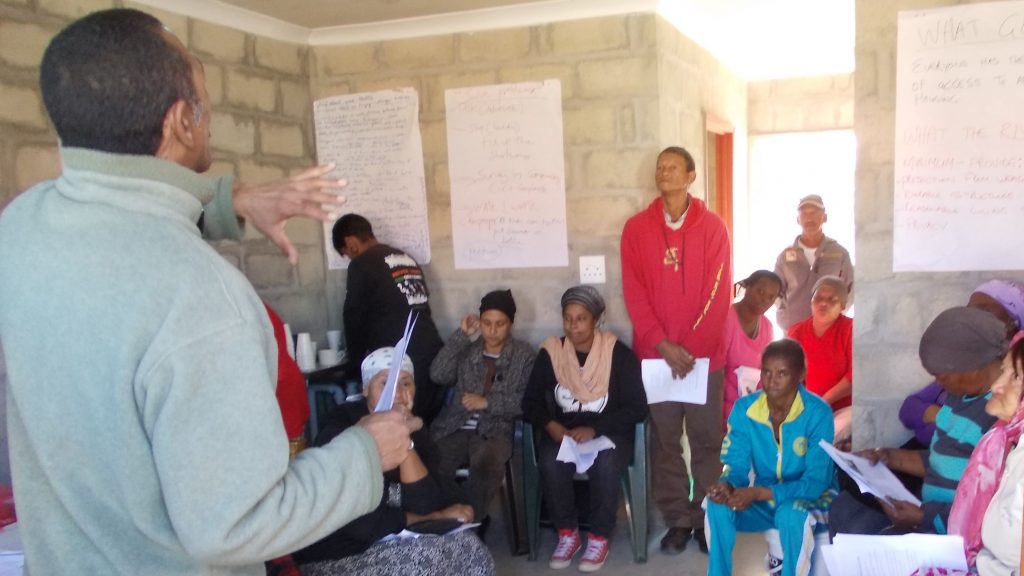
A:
x,y
411,500
584,385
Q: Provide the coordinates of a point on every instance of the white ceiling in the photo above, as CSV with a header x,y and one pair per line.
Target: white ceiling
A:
x,y
757,39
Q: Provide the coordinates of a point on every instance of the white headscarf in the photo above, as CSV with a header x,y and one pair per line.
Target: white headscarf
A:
x,y
380,359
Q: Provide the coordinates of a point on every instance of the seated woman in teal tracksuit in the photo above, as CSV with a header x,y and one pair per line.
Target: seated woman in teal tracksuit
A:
x,y
775,431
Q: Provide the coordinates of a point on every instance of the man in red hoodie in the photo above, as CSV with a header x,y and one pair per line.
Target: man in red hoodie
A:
x,y
677,279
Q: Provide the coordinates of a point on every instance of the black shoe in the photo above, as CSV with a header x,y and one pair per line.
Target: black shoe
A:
x,y
702,541
674,541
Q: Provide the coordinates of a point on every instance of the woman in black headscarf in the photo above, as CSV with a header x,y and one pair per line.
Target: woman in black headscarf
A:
x,y
489,369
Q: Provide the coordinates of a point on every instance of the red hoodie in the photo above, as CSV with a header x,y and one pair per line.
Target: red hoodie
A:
x,y
685,301
291,384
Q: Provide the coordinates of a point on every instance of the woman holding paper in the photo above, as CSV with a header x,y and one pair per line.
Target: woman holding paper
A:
x,y
583,386
776,432
411,501
747,332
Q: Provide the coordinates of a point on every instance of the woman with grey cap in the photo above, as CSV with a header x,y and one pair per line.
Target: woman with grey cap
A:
x,y
1004,299
963,349
489,369
584,385
411,501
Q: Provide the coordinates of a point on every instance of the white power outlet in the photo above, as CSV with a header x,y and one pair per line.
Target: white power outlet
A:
x,y
592,270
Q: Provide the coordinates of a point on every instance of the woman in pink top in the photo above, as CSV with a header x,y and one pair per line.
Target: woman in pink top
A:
x,y
747,332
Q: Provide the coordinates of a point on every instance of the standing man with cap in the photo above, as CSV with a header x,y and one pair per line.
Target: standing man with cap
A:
x,y
811,256
676,280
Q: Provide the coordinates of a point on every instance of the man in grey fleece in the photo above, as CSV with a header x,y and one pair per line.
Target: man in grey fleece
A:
x,y
811,256
145,436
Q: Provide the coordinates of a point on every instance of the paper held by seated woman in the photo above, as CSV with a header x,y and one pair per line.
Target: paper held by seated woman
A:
x,y
871,478
582,454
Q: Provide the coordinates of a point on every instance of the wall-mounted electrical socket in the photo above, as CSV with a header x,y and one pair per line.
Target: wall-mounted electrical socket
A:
x,y
592,270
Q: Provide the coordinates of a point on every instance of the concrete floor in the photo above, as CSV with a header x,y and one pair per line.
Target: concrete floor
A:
x,y
748,558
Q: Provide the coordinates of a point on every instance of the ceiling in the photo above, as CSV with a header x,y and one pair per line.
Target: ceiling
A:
x,y
330,13
757,39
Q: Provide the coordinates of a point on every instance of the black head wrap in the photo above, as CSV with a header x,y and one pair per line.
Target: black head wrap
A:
x,y
499,300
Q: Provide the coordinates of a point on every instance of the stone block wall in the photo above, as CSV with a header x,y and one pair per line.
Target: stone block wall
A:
x,y
801,104
261,129
892,309
620,108
631,85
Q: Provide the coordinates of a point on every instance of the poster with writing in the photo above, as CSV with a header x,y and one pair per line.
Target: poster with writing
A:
x,y
374,138
507,171
959,162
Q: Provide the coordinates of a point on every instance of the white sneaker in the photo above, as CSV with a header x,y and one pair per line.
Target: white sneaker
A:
x,y
596,554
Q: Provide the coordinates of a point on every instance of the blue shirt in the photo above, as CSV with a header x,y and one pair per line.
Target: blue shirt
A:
x,y
959,425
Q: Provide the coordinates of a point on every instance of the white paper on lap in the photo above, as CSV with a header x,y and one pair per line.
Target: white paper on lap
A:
x,y
582,454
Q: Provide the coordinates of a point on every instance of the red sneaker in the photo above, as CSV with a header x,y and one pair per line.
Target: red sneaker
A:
x,y
568,545
596,554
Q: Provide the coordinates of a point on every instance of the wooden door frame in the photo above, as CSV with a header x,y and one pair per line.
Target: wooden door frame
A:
x,y
723,175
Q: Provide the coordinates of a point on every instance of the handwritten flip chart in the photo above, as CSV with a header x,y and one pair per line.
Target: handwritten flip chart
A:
x,y
507,170
374,138
959,162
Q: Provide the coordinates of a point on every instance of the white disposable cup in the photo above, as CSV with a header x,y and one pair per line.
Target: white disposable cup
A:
x,y
327,358
334,339
305,356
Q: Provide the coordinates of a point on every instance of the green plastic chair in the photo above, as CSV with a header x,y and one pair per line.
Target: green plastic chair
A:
x,y
512,493
634,489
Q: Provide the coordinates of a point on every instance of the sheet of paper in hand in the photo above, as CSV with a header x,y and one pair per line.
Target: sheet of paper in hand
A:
x,y
874,479
431,528
747,379
662,387
582,454
387,398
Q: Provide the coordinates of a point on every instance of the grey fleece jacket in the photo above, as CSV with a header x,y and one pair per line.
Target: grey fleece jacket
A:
x,y
145,435
798,277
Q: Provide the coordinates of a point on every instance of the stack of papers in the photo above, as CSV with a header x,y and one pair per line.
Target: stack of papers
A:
x,y
857,555
582,454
